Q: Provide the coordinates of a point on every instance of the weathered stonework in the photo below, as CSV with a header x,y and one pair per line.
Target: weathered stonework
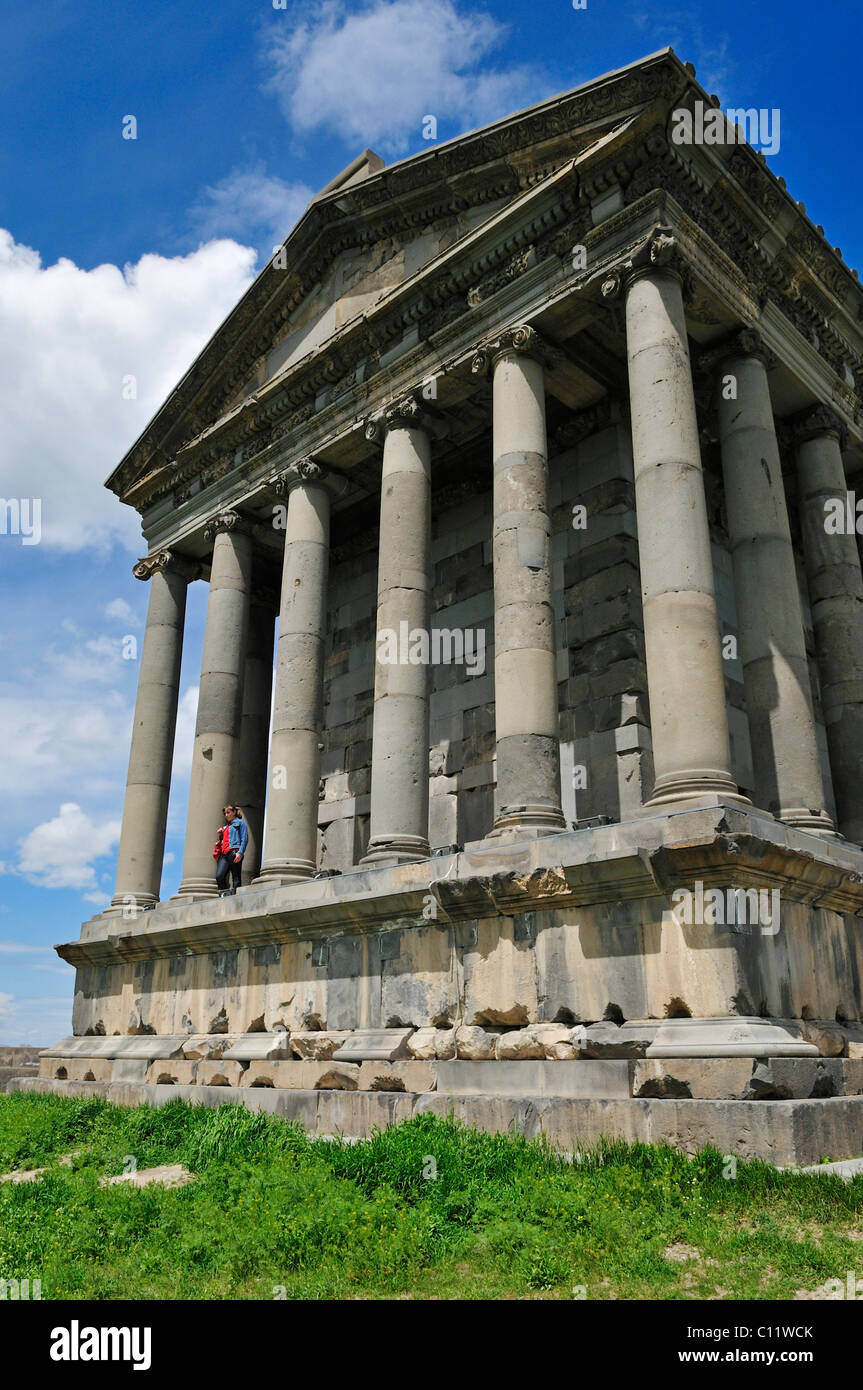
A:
x,y
430,414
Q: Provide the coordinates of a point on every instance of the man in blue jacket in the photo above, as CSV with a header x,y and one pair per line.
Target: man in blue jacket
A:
x,y
230,848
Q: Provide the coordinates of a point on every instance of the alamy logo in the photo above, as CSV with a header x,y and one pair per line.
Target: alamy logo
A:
x,y
77,1343
738,908
441,647
843,516
21,517
709,125
20,1288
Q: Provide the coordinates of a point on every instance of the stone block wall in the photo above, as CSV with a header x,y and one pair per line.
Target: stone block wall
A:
x,y
606,766
606,761
606,758
613,960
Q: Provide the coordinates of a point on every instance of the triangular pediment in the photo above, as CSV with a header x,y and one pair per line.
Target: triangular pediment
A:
x,y
360,238
385,252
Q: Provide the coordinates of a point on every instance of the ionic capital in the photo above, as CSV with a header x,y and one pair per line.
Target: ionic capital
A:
x,y
818,422
305,471
227,520
407,413
166,560
308,472
521,339
659,253
743,342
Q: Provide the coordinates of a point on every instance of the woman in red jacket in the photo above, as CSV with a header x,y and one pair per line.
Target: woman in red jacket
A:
x,y
229,850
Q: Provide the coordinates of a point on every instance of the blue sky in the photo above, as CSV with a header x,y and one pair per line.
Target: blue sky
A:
x,y
118,258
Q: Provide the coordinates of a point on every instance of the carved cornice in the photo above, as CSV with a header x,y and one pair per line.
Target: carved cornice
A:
x,y
511,270
737,225
522,340
227,521
166,561
817,422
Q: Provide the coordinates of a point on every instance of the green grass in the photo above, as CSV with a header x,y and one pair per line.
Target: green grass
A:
x,y
505,1217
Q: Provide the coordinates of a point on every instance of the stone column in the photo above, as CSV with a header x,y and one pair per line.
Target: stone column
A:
x,y
398,832
251,781
836,598
686,684
525,660
290,851
148,785
220,700
785,760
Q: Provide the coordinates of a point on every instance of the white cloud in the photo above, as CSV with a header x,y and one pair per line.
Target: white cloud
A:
x,y
251,205
59,853
371,77
68,340
118,608
53,746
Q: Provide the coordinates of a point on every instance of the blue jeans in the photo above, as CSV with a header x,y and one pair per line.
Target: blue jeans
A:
x,y
225,866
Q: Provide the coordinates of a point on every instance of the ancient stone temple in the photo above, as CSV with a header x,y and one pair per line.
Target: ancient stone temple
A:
x,y
541,446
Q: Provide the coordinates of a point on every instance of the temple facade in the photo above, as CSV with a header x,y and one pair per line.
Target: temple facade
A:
x,y
540,450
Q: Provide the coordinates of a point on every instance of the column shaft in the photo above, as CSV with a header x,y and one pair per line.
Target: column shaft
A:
x,y
145,808
785,759
686,685
220,707
525,663
836,598
251,779
400,732
292,802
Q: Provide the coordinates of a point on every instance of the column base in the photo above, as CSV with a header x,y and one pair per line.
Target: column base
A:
x,y
121,903
279,871
701,787
814,822
395,849
527,822
729,1037
196,888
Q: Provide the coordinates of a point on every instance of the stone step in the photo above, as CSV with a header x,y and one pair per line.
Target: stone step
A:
x,y
788,1133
